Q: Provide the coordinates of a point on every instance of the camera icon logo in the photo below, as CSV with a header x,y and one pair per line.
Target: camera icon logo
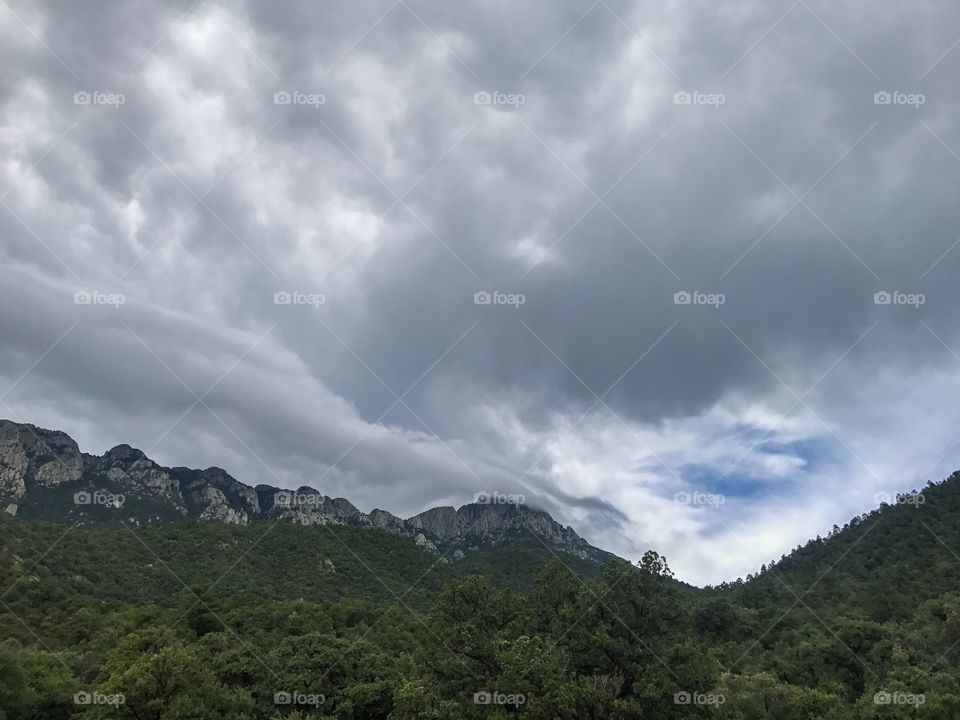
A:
x,y
282,698
82,698
82,98
882,98
882,298
482,498
682,698
682,98
482,698
82,498
482,298
282,98
82,297
282,298
682,298
482,98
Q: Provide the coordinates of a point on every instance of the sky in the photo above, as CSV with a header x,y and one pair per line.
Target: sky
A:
x,y
683,274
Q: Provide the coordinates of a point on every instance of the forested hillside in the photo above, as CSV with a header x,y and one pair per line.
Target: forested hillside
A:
x,y
278,621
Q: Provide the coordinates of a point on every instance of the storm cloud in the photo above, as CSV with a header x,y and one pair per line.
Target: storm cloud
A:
x,y
684,275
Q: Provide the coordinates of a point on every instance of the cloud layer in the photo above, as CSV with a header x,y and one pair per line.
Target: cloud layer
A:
x,y
719,245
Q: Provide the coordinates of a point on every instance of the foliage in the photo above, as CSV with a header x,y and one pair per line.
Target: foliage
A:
x,y
208,621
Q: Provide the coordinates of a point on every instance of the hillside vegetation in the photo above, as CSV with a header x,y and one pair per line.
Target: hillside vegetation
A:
x,y
206,620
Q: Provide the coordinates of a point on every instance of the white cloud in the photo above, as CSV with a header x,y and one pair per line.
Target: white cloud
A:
x,y
305,201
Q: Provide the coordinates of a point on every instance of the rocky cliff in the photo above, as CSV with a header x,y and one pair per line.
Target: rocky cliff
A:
x,y
44,475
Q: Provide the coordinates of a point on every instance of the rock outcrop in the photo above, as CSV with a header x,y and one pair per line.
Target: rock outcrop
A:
x,y
493,523
31,457
44,475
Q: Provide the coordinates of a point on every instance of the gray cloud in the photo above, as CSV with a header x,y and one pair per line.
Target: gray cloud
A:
x,y
397,198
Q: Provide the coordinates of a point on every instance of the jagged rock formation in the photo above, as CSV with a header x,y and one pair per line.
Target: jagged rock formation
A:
x,y
32,457
387,521
43,475
491,523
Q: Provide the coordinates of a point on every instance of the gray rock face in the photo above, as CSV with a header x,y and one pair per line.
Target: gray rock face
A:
x,y
306,506
13,463
492,523
34,457
218,509
128,466
387,521
441,522
219,496
245,494
34,462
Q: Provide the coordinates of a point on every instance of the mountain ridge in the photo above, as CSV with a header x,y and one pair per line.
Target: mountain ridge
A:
x,y
45,475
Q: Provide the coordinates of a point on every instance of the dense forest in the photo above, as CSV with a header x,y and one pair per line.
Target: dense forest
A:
x,y
204,620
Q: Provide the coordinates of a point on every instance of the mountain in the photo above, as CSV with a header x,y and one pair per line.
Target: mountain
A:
x,y
909,544
206,620
45,476
214,599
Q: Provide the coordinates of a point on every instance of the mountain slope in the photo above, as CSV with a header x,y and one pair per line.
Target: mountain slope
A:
x,y
872,609
911,545
212,619
382,630
45,476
